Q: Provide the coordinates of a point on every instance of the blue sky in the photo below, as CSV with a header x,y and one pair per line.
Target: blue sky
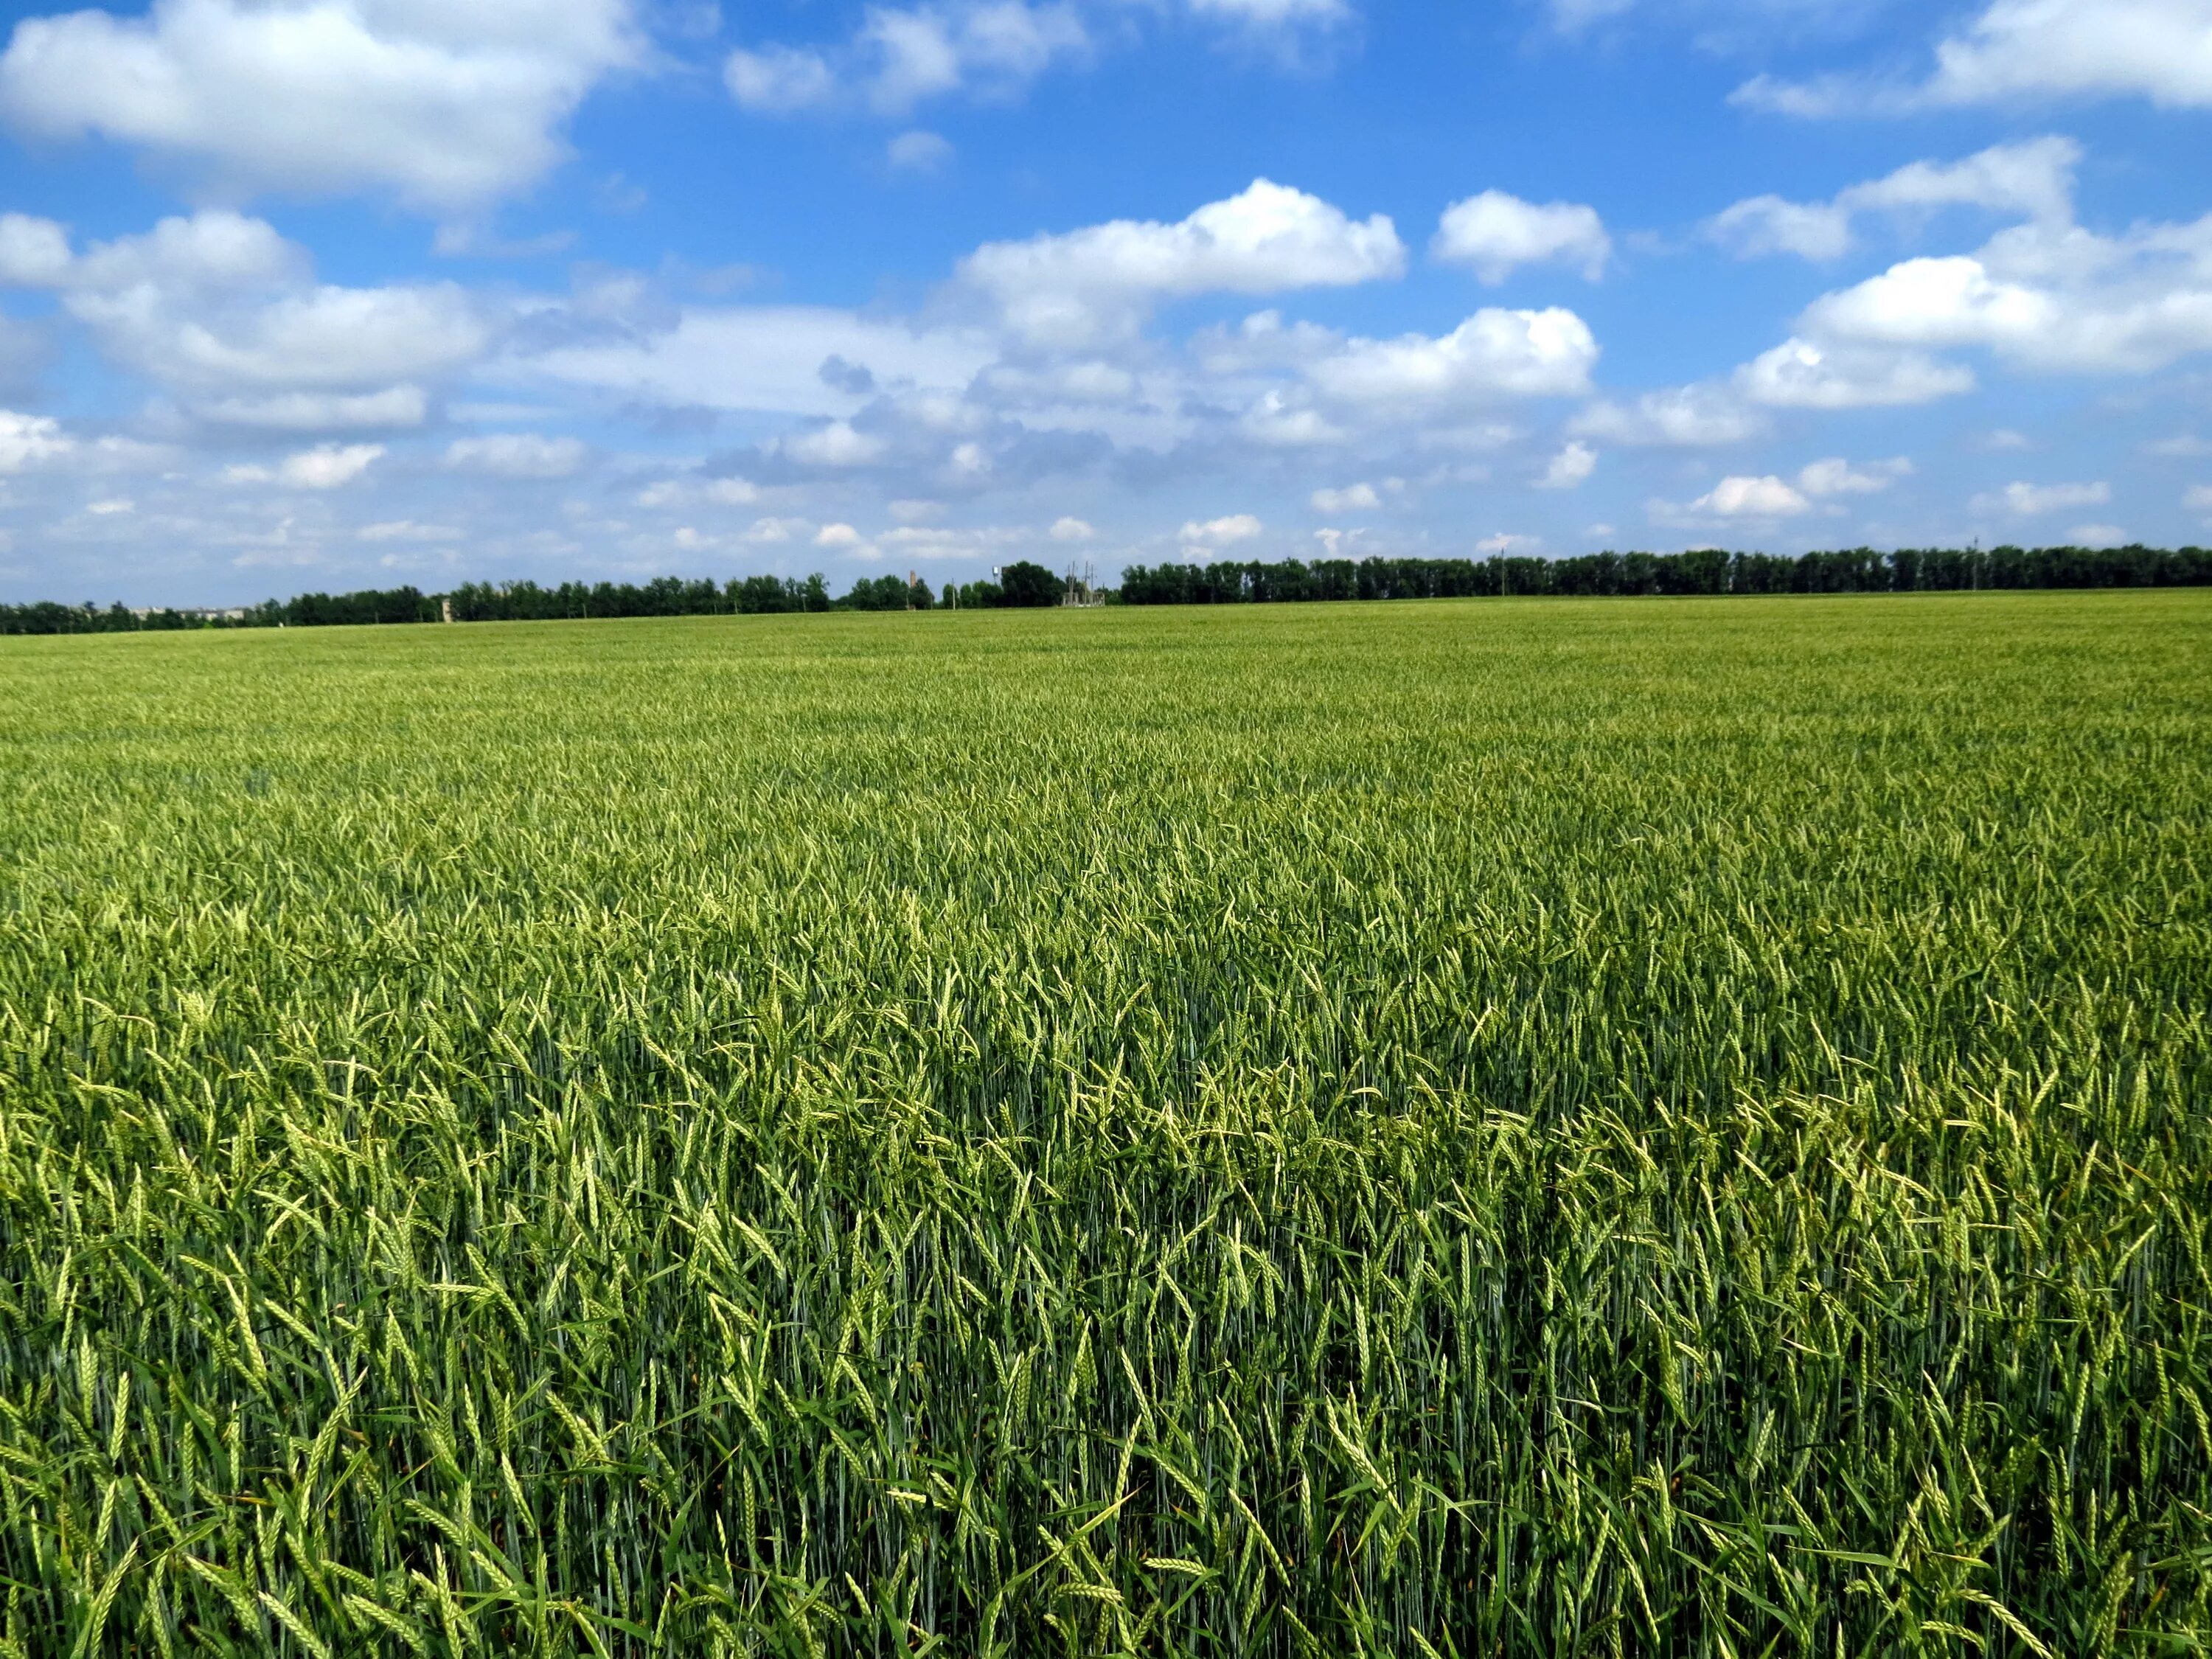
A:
x,y
331,294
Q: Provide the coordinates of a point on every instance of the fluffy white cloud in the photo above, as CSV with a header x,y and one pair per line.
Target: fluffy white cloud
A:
x,y
219,307
2028,500
901,56
2020,50
1221,532
2198,498
1569,468
1837,477
1800,374
1494,353
34,252
1493,233
26,441
1072,530
1286,421
769,533
516,455
2160,50
1683,418
1937,302
904,55
2045,293
327,466
1741,497
839,536
203,253
2066,300
1099,283
324,337
1773,224
833,444
1353,498
449,106
2035,179
39,442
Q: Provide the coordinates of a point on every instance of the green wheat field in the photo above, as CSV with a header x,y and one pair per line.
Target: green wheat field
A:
x,y
1471,1128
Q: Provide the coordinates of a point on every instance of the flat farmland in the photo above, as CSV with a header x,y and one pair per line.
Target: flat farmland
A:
x,y
1451,1128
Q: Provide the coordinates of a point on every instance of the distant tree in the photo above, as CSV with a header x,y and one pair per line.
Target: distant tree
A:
x,y
884,592
1028,585
759,596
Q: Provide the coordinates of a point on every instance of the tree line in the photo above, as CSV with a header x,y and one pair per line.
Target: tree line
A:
x,y
1027,585
1856,570
1021,584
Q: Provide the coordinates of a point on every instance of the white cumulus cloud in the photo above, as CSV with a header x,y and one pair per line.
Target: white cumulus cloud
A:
x,y
219,307
327,466
2070,303
900,57
1494,233
2019,52
26,441
1950,302
2034,179
833,444
1098,283
1569,469
2160,50
1494,353
2028,500
1800,374
1838,477
1767,497
1221,532
1700,416
1353,498
448,106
